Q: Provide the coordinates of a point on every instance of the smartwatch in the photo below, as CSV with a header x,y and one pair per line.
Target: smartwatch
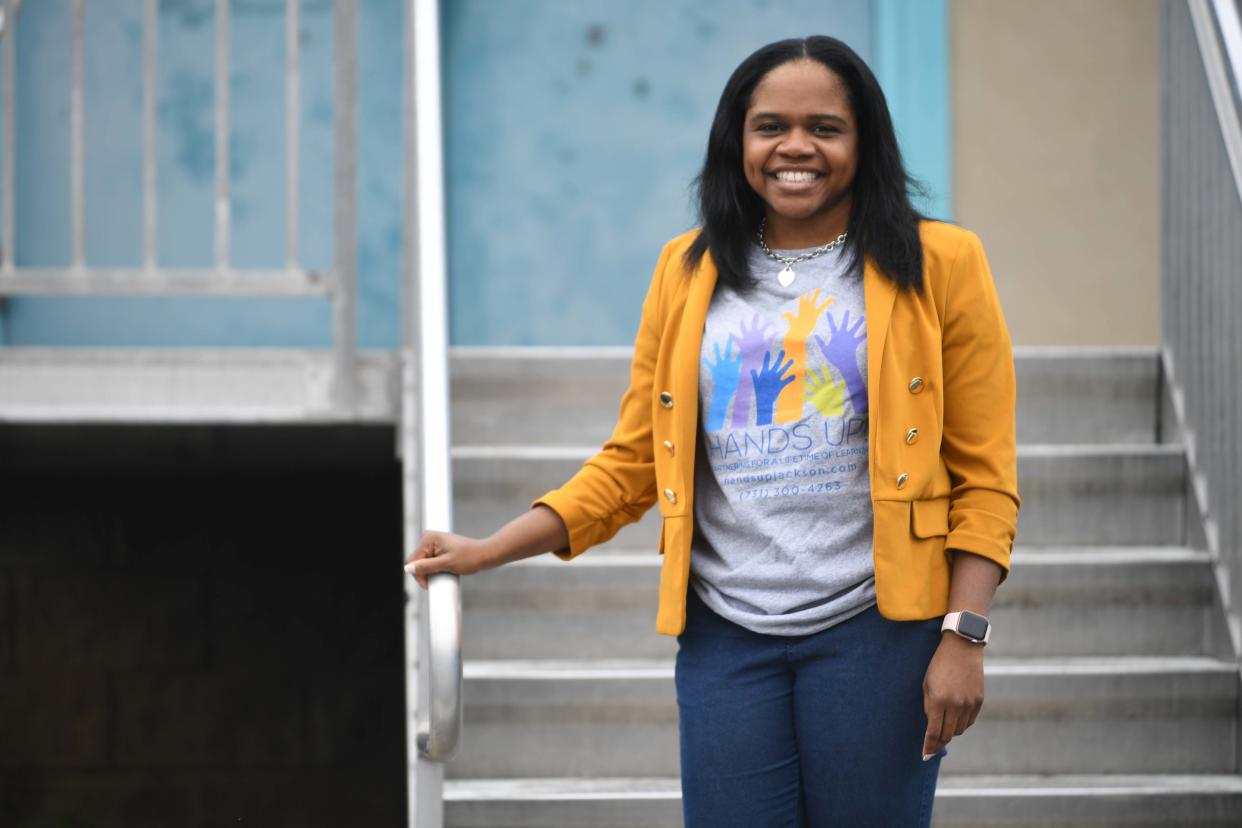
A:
x,y
969,625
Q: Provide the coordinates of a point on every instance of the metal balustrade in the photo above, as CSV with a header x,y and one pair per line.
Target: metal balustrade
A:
x,y
222,278
1201,206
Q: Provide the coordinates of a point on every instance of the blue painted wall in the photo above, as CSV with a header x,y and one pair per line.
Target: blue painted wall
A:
x,y
572,133
573,137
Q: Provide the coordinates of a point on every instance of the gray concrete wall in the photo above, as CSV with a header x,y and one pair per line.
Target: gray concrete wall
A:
x,y
1056,164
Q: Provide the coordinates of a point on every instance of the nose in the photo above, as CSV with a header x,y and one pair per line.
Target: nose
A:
x,y
796,142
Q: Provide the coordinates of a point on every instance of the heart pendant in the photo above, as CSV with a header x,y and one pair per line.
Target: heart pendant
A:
x,y
786,276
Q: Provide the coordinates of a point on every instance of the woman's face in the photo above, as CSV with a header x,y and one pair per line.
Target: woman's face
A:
x,y
800,147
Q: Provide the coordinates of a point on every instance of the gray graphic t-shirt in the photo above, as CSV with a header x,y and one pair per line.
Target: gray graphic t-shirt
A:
x,y
783,520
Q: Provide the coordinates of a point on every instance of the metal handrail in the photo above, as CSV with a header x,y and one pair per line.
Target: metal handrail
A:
x,y
433,618
440,732
1221,68
1226,12
444,597
436,696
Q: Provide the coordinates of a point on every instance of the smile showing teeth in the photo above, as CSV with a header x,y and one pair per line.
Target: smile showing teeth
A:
x,y
797,176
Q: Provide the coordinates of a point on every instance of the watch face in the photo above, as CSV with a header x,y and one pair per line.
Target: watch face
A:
x,y
972,624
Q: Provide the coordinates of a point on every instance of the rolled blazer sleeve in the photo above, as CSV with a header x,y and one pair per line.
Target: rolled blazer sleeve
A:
x,y
617,485
979,444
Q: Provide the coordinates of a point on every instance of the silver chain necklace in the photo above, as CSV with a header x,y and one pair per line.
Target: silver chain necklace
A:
x,y
786,276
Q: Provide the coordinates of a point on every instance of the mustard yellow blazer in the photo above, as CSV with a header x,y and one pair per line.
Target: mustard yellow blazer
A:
x,y
942,451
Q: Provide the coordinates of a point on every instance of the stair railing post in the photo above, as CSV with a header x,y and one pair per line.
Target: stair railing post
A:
x,y
8,55
345,222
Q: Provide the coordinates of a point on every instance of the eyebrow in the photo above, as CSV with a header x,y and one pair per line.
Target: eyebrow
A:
x,y
758,116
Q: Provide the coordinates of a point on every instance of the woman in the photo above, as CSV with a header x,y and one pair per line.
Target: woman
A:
x,y
822,403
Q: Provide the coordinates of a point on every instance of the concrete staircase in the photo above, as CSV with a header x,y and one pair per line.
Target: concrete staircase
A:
x,y
1112,698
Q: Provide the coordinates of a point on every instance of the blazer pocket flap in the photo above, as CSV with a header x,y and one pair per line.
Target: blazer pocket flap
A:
x,y
929,518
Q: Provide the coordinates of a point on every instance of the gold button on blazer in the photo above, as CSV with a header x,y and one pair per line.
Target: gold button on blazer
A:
x,y
939,361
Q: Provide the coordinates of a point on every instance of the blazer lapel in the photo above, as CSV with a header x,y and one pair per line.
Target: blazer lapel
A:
x,y
879,294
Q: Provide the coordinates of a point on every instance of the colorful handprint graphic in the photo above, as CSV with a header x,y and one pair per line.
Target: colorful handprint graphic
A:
x,y
789,406
725,373
825,392
769,382
841,350
752,343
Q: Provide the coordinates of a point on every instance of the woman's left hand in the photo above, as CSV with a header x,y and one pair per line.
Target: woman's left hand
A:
x,y
952,690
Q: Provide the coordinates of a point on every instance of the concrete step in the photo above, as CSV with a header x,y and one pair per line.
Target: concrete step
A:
x,y
1102,495
560,396
1087,395
192,385
625,802
525,609
1041,716
974,801
1087,801
1057,601
1072,494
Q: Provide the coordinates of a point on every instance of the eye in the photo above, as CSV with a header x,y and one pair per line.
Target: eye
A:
x,y
826,129
769,127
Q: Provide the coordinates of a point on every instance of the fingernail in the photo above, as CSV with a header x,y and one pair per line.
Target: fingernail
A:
x,y
410,568
927,756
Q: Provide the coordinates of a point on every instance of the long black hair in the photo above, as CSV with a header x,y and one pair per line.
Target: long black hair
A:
x,y
883,223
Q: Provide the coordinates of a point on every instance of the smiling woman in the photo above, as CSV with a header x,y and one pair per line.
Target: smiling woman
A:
x,y
833,454
813,106
800,151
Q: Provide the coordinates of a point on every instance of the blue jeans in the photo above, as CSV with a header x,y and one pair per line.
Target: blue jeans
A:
x,y
805,731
